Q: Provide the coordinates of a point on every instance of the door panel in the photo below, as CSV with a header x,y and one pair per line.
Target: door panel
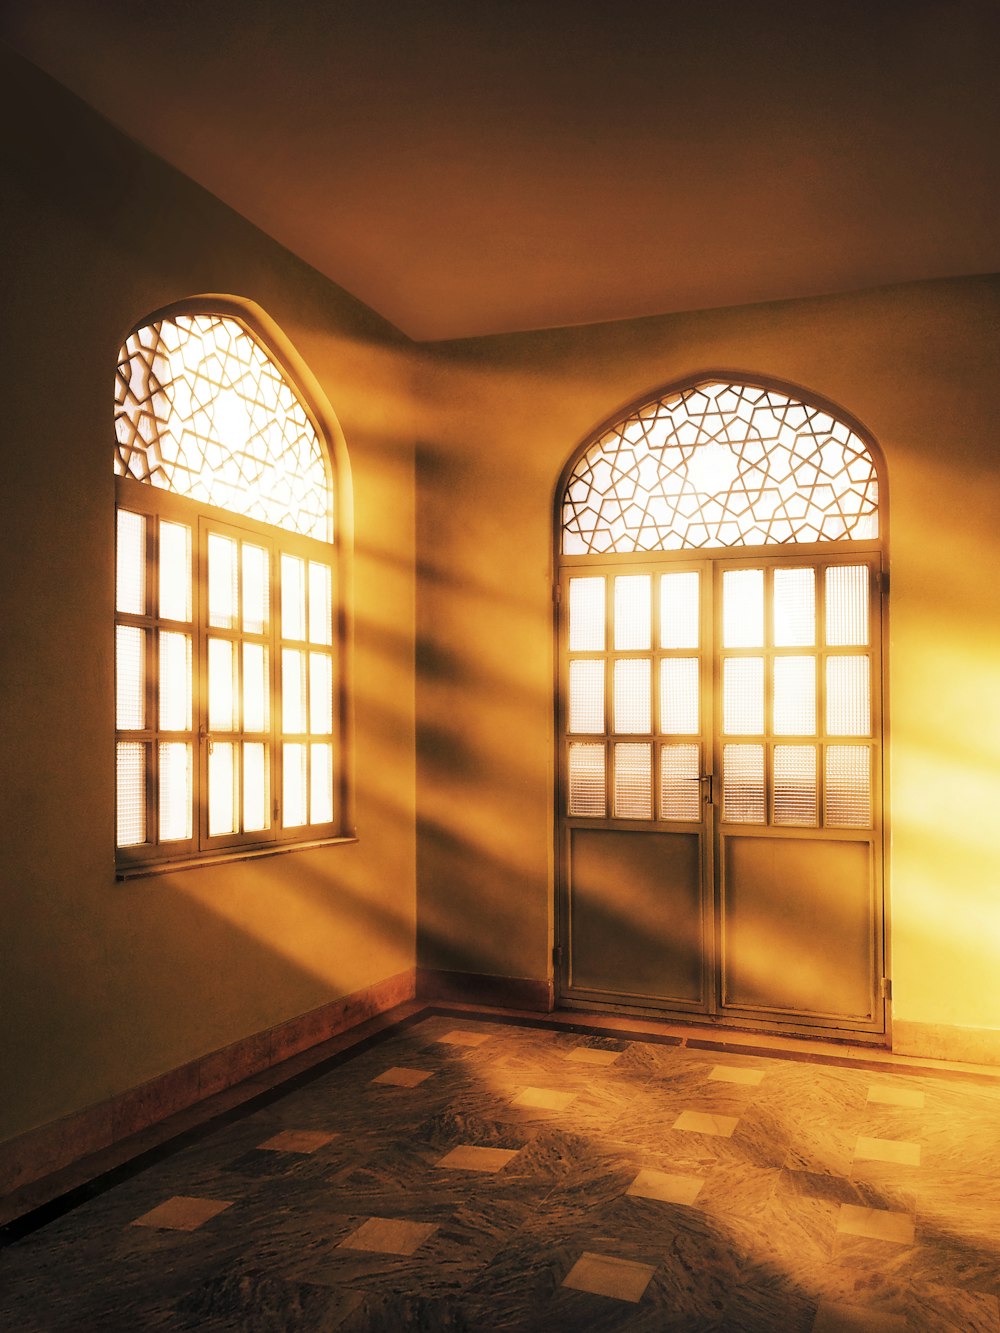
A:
x,y
720,788
796,926
636,914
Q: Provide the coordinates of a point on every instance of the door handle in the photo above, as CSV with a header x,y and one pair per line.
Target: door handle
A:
x,y
706,792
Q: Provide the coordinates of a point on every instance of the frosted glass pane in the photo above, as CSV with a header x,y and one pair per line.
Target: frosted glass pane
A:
x,y
175,681
256,589
320,694
175,791
632,612
293,598
320,605
321,783
680,596
848,698
633,781
743,696
221,788
743,608
293,690
794,608
587,791
795,696
847,605
795,799
256,796
848,800
743,784
130,677
130,793
256,688
680,789
223,594
130,563
222,696
175,571
586,696
679,696
293,772
586,615
631,695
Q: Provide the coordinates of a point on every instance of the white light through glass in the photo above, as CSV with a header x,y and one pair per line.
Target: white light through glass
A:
x,y
130,578
202,410
712,468
221,789
764,468
293,597
175,571
296,806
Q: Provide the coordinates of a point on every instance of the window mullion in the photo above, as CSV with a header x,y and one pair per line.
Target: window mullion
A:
x,y
275,685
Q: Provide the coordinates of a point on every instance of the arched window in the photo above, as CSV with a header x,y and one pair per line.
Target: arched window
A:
x,y
227,654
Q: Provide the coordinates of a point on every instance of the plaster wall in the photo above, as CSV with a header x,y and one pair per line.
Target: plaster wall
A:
x,y
106,985
917,365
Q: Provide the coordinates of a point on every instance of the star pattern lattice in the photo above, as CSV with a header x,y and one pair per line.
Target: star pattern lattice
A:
x,y
203,411
720,465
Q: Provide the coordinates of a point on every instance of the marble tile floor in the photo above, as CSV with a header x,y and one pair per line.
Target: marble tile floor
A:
x,y
461,1171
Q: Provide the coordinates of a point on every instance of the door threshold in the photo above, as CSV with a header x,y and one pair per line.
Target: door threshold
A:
x,y
629,1025
696,1028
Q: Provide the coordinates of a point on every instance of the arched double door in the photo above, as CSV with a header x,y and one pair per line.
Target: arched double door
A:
x,y
720,714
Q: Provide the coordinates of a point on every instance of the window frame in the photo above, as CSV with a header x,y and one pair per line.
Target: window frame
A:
x,y
158,504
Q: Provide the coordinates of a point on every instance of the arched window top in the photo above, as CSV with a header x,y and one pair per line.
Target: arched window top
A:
x,y
202,409
720,464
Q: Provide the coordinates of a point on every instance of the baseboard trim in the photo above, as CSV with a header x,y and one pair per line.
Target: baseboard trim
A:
x,y
52,1147
941,1041
525,993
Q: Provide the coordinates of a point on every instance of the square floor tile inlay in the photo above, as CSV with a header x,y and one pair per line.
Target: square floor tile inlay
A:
x,y
875,1224
544,1099
892,1096
182,1213
834,1318
666,1187
737,1074
298,1140
591,1055
699,1122
389,1235
467,1158
603,1275
403,1078
887,1150
460,1038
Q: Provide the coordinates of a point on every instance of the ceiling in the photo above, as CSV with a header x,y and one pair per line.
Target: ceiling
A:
x,y
475,166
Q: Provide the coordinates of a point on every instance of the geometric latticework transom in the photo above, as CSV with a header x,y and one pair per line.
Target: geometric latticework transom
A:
x,y
203,411
720,465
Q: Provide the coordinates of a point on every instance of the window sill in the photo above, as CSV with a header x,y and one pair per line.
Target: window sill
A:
x,y
149,868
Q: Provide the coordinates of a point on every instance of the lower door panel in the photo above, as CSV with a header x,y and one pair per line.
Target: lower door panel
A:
x,y
636,915
797,926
